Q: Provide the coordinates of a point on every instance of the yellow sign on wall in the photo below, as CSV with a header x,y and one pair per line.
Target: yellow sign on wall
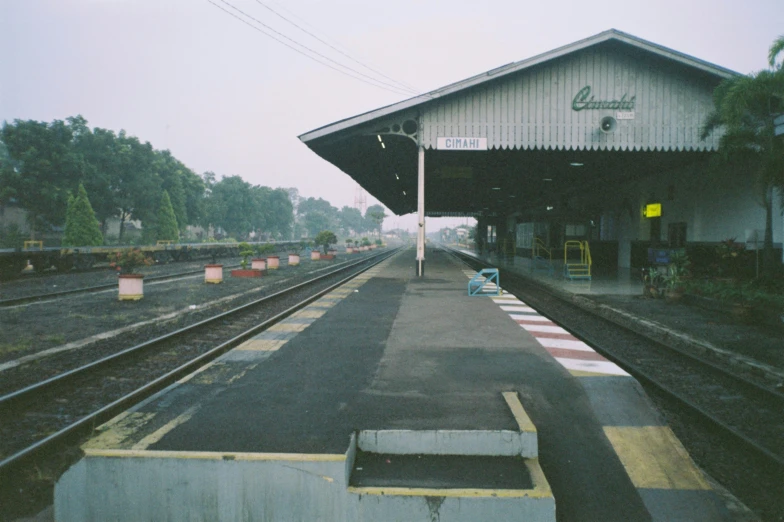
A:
x,y
652,210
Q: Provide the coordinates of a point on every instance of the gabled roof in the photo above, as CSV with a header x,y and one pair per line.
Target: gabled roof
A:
x,y
494,74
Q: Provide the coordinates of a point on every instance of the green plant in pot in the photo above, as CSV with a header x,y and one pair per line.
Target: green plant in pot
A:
x,y
325,238
128,260
245,252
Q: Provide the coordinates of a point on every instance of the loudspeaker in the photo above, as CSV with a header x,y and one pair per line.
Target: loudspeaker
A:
x,y
608,124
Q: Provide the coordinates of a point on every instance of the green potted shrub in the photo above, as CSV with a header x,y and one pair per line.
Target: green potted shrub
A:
x,y
260,262
246,250
294,251
325,238
130,284
349,249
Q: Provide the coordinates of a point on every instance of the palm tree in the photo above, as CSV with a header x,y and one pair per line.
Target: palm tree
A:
x,y
745,107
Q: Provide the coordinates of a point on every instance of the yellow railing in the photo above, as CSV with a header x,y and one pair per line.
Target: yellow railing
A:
x,y
29,245
540,248
585,251
162,242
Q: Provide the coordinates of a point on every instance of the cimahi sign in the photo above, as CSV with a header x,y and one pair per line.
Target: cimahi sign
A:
x,y
584,100
458,143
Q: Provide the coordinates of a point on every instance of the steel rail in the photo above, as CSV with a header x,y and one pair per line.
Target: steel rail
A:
x,y
649,379
14,301
39,387
110,410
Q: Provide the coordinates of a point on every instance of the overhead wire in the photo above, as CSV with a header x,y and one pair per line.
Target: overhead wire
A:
x,y
379,83
408,87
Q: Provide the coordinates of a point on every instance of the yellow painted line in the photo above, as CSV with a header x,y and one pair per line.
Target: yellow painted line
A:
x,y
583,373
452,493
654,458
309,314
287,327
119,429
541,486
195,373
158,434
523,421
262,345
215,455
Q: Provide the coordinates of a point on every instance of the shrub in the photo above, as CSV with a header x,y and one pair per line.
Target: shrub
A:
x,y
129,259
325,238
81,227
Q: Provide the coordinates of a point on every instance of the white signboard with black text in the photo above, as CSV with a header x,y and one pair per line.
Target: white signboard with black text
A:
x,y
457,143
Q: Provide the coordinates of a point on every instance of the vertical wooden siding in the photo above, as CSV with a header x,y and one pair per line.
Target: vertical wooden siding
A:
x,y
532,109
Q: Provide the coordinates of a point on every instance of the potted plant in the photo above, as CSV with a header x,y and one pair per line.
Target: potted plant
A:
x,y
294,250
245,252
315,255
260,262
213,273
365,244
273,260
349,249
677,273
379,243
131,284
325,238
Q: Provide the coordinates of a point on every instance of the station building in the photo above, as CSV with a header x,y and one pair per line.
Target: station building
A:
x,y
595,141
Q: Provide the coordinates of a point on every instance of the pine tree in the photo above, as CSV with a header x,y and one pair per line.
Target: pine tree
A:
x,y
81,227
166,226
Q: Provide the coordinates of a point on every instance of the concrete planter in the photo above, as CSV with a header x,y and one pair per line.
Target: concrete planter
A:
x,y
213,274
293,259
246,273
259,263
131,287
315,255
273,262
327,257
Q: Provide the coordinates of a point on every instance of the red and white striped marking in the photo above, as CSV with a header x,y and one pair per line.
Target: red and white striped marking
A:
x,y
570,352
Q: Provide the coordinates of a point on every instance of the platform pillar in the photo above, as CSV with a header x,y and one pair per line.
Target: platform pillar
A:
x,y
420,257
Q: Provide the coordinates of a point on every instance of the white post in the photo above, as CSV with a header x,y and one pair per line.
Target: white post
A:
x,y
421,211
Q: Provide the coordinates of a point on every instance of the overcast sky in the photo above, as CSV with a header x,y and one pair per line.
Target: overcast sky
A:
x,y
186,76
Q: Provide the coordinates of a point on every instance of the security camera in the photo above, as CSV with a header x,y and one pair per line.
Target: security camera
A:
x,y
608,124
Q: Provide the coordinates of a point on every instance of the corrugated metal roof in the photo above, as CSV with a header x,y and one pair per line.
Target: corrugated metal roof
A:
x,y
611,35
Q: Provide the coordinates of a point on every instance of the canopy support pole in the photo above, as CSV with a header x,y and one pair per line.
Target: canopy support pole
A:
x,y
420,258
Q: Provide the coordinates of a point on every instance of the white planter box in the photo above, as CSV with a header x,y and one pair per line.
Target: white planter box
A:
x,y
213,274
131,287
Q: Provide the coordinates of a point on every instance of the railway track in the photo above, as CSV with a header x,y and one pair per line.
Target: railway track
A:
x,y
48,414
16,301
736,415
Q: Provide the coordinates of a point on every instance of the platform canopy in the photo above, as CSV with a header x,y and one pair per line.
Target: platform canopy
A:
x,y
573,122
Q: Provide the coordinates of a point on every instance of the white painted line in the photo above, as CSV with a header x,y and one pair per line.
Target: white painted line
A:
x,y
531,317
549,342
607,368
543,328
517,309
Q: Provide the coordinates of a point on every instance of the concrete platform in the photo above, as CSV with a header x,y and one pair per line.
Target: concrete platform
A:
x,y
391,364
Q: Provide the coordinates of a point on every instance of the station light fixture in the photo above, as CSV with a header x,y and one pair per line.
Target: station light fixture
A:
x,y
383,146
547,179
496,188
397,177
379,137
550,207
576,164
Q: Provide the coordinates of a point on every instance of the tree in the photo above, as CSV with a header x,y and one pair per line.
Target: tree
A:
x,y
745,107
166,226
81,227
351,220
375,215
46,168
325,238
